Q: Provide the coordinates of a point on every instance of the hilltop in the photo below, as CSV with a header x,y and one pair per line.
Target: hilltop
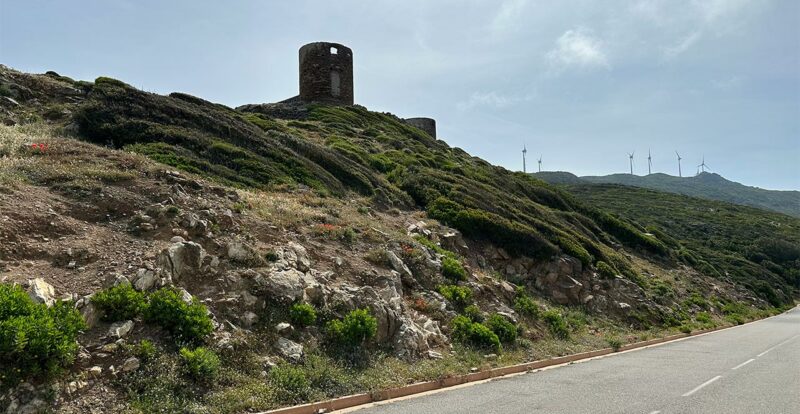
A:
x,y
241,259
704,185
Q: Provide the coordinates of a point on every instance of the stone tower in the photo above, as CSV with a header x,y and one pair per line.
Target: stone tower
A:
x,y
326,73
426,124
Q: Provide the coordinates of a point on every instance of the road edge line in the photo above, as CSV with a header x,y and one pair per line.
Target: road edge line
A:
x,y
384,396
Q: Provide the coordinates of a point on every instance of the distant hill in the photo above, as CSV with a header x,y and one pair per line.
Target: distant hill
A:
x,y
705,185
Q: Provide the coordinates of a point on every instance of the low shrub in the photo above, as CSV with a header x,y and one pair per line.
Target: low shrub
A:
x,y
200,363
354,329
605,270
697,300
119,303
505,330
303,314
475,334
459,296
146,350
35,339
685,328
615,343
525,306
186,321
453,270
473,313
703,317
556,324
291,382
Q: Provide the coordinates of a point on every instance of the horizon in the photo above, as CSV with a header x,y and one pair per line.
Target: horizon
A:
x,y
718,79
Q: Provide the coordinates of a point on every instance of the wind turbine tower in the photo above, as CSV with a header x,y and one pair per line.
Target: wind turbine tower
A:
x,y
524,151
540,163
630,158
649,163
702,167
679,164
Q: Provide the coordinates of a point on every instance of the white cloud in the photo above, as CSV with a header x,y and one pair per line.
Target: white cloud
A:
x,y
682,46
491,99
577,48
508,17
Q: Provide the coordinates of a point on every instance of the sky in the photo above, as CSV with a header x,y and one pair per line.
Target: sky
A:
x,y
580,83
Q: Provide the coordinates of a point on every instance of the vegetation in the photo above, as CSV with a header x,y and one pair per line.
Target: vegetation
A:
x,y
505,330
452,269
525,305
186,321
302,314
354,329
475,334
200,363
35,339
459,296
556,324
119,303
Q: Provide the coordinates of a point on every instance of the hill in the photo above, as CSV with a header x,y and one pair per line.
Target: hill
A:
x,y
240,259
710,186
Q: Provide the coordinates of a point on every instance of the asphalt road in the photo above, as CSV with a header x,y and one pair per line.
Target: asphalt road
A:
x,y
753,368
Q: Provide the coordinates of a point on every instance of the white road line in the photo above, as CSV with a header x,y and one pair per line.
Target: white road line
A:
x,y
655,412
744,363
765,352
699,387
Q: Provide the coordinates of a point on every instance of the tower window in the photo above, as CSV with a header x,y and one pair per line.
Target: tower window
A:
x,y
334,51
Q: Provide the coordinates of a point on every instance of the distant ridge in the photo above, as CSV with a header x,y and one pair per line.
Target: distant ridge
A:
x,y
704,185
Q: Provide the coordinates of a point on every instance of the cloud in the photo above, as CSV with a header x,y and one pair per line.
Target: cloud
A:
x,y
491,99
508,17
672,51
577,48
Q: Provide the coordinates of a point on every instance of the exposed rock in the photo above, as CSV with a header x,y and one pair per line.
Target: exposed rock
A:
x,y
301,260
248,319
95,371
120,329
186,297
145,280
240,252
287,285
398,265
177,239
181,259
89,311
284,328
130,364
290,349
41,291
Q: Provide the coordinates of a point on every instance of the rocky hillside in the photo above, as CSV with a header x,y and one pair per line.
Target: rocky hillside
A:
x,y
705,185
170,254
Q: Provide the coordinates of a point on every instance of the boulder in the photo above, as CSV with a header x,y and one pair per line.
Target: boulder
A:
x,y
145,280
290,349
181,259
240,252
120,329
248,319
41,291
299,255
130,364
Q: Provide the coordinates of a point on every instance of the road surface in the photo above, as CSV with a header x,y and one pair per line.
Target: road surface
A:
x,y
753,368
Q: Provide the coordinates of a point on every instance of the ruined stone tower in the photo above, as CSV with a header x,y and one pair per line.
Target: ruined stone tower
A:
x,y
426,124
326,73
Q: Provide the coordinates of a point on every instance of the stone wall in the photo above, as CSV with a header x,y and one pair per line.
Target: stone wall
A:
x,y
426,124
326,73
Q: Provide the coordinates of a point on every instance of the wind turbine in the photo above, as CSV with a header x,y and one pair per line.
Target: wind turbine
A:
x,y
630,157
702,167
540,163
649,162
524,151
679,164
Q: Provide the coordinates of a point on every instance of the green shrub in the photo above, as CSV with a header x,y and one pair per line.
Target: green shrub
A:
x,y
146,350
119,303
200,363
473,313
186,321
475,334
525,306
505,330
703,317
605,270
556,324
685,328
35,339
452,269
302,314
354,329
615,343
697,300
459,296
291,381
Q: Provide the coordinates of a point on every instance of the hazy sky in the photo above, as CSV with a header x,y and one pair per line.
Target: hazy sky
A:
x,y
580,82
